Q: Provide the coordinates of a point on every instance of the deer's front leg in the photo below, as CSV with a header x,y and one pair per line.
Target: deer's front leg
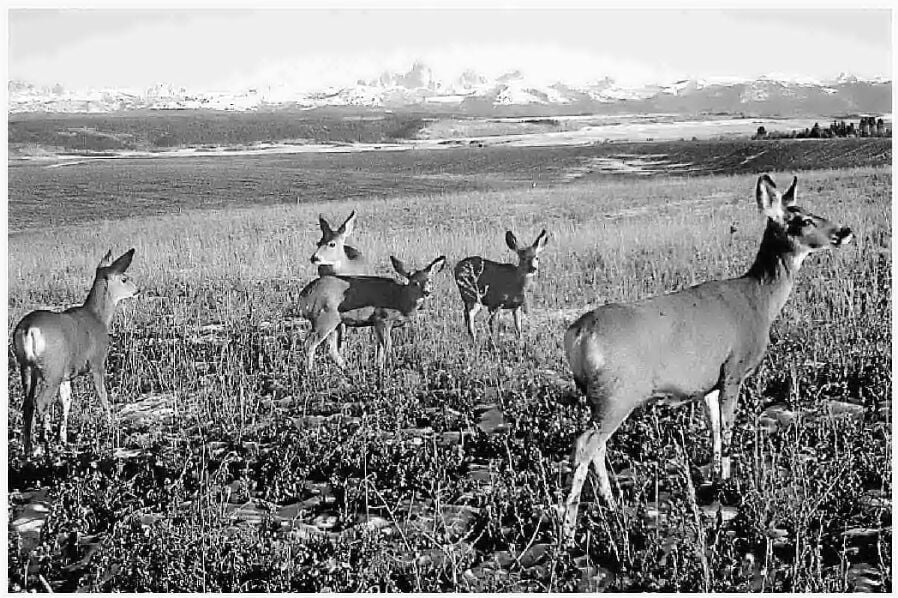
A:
x,y
99,377
518,317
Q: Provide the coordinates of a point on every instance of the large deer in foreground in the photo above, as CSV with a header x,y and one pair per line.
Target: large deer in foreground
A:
x,y
483,282
698,343
52,348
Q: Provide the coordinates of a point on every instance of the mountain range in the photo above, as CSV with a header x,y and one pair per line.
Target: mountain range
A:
x,y
511,94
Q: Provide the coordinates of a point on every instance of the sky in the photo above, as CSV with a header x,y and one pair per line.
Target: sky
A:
x,y
232,49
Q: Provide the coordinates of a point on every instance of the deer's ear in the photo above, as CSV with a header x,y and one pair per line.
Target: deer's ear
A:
x,y
511,241
346,227
399,267
541,241
440,261
325,227
122,263
106,261
789,197
769,199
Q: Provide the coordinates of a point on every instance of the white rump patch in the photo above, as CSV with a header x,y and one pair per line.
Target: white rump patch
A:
x,y
34,344
584,354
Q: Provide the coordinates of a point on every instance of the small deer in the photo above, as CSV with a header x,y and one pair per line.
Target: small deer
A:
x,y
53,348
363,301
698,343
333,256
498,286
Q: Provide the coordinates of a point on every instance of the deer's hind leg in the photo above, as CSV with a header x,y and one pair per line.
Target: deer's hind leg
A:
x,y
333,347
323,328
494,320
341,334
40,408
30,380
471,310
590,448
65,401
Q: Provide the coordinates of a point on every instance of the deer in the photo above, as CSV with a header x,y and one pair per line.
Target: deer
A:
x,y
482,282
697,343
53,348
334,257
364,301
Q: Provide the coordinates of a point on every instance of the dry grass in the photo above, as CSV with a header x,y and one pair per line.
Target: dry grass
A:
x,y
241,403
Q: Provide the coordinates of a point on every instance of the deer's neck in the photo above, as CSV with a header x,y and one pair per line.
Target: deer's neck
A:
x,y
99,303
410,299
525,278
774,269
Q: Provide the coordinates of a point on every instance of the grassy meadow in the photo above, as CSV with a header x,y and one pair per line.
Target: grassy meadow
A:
x,y
232,469
65,192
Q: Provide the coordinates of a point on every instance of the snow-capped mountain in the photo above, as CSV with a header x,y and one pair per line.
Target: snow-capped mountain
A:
x,y
509,93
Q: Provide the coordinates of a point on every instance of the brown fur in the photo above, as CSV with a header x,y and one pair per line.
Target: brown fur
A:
x,y
363,301
482,282
52,348
698,343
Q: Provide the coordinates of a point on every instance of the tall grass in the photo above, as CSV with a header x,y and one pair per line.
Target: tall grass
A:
x,y
243,405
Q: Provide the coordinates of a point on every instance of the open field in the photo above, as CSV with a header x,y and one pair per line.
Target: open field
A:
x,y
160,130
90,189
574,130
230,469
43,135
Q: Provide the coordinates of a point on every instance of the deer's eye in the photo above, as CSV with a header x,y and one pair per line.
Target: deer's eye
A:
x,y
808,222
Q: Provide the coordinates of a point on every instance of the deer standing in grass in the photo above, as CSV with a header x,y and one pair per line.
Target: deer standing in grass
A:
x,y
498,286
52,348
363,301
698,343
333,257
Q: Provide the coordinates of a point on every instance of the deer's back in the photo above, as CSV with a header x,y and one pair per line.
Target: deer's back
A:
x,y
360,300
671,345
66,343
321,294
373,291
491,283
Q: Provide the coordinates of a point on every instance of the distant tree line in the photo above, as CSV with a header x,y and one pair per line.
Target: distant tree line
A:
x,y
868,126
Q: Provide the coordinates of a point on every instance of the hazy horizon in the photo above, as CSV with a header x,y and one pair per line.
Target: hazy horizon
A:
x,y
231,49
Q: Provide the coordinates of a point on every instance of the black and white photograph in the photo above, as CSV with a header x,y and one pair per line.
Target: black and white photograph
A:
x,y
458,297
